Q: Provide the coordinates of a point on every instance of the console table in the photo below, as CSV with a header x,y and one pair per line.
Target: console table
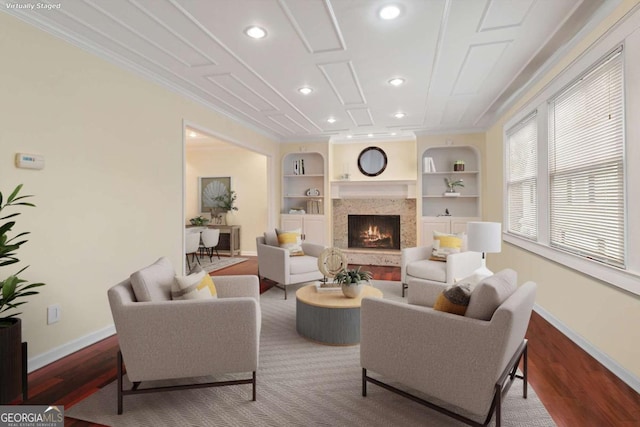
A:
x,y
229,239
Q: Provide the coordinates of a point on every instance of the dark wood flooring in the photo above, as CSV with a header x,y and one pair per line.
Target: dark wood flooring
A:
x,y
575,389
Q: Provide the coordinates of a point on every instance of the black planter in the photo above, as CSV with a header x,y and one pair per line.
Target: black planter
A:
x,y
11,361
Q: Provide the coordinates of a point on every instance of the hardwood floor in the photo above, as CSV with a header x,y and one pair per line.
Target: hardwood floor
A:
x,y
575,389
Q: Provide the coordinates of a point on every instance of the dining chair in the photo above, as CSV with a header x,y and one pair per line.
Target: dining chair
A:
x,y
210,239
191,245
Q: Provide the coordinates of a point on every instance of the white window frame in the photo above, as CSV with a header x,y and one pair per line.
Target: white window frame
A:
x,y
629,278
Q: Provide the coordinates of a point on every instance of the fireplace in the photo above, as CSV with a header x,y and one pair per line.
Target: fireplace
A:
x,y
374,231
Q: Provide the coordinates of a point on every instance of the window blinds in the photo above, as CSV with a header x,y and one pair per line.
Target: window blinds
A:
x,y
522,166
586,164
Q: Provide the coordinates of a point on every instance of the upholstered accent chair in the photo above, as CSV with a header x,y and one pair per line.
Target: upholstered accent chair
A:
x,y
468,361
418,269
163,339
275,263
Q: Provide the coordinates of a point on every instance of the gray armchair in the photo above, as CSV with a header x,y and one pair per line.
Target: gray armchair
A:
x,y
274,263
163,339
460,360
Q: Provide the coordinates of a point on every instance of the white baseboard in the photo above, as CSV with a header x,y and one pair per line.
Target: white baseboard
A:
x,y
602,358
248,253
66,349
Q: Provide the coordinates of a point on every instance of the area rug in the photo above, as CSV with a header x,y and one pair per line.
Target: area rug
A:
x,y
218,264
300,383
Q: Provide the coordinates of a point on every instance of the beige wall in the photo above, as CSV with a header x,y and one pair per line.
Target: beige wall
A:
x,y
110,197
248,171
401,160
603,315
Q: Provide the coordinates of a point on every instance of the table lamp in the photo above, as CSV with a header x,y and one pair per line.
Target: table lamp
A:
x,y
484,237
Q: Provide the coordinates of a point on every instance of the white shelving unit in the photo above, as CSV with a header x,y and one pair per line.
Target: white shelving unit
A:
x,y
435,204
296,182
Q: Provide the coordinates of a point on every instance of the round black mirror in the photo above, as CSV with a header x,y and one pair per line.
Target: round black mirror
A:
x,y
372,161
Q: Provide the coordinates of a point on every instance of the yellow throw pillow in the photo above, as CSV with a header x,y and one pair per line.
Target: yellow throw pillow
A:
x,y
197,285
454,299
445,244
291,240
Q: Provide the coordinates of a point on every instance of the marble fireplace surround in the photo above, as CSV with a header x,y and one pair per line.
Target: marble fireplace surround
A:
x,y
404,207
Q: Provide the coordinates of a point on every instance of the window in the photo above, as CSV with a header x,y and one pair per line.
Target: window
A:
x,y
586,165
522,164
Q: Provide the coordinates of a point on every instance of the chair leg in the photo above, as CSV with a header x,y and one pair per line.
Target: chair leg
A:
x,y
524,372
254,386
216,248
188,263
364,382
404,286
119,363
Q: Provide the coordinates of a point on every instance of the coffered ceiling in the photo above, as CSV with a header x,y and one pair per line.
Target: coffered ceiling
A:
x,y
461,60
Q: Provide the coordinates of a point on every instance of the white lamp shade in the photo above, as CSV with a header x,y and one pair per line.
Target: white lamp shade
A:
x,y
484,236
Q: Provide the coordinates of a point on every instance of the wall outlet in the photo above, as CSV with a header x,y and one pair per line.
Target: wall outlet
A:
x,y
53,313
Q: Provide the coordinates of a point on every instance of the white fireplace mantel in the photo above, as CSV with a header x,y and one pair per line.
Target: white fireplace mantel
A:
x,y
374,189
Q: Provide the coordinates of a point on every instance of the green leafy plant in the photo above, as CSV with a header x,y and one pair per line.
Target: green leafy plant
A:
x,y
200,220
352,277
453,184
227,201
14,289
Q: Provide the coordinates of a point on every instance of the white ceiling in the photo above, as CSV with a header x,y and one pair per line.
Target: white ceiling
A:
x,y
462,59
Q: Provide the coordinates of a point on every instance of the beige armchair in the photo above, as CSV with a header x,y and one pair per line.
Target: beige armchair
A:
x,y
459,360
274,263
417,269
163,339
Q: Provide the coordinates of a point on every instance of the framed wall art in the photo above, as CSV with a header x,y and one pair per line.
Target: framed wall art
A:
x,y
210,187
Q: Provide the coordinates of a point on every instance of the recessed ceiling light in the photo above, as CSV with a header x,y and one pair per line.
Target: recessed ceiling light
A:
x,y
305,90
393,134
255,32
390,12
192,134
370,135
397,81
349,136
399,115
331,120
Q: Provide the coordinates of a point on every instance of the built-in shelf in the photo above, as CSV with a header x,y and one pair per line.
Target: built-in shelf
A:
x,y
434,201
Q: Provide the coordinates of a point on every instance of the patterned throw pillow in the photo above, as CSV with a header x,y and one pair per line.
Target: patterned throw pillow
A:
x,y
454,299
445,244
197,285
291,240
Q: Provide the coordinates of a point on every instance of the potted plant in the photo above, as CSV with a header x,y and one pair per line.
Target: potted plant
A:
x,y
352,281
14,292
199,221
451,184
227,202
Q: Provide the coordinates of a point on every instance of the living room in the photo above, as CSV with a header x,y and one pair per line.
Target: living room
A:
x,y
111,197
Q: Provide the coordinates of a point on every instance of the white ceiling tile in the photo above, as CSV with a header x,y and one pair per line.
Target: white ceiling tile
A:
x,y
315,24
341,76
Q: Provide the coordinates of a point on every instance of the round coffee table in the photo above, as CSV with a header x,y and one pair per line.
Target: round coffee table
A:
x,y
330,317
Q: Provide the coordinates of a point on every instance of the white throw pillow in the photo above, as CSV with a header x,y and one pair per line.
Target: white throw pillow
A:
x,y
197,285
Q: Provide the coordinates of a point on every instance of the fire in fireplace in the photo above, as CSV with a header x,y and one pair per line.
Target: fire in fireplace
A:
x,y
374,231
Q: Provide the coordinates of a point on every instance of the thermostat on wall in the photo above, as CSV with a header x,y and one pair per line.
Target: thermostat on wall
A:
x,y
29,161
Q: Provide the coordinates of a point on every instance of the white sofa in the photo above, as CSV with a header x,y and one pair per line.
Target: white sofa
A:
x,y
163,339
